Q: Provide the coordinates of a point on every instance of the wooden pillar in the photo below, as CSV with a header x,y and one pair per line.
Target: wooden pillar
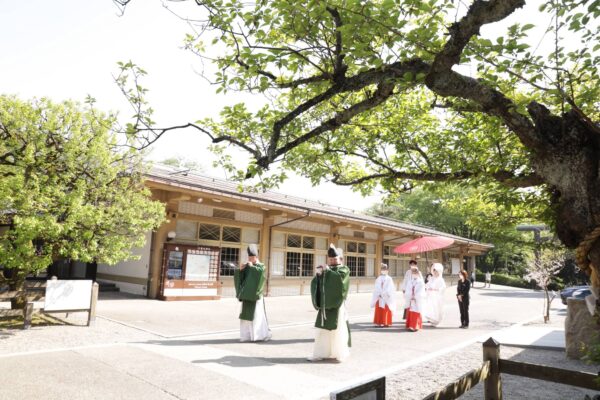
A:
x,y
156,257
93,303
462,258
379,254
27,315
265,249
493,384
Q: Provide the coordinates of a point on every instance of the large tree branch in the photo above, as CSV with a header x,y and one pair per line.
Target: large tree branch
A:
x,y
481,12
383,92
446,82
352,84
505,177
339,69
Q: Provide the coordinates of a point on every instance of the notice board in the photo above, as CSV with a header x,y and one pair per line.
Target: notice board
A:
x,y
65,295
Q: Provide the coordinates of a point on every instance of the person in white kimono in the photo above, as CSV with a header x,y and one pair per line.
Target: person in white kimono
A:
x,y
414,299
249,283
384,298
407,274
434,295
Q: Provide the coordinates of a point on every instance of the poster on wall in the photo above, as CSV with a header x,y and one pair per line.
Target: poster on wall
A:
x,y
455,266
197,267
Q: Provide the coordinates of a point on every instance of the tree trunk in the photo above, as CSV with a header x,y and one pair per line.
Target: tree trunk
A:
x,y
546,306
15,279
568,159
18,302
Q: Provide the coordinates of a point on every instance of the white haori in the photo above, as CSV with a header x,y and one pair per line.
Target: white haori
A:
x,y
434,300
333,344
257,329
384,293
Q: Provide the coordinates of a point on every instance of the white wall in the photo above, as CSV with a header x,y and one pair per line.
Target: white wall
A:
x,y
134,269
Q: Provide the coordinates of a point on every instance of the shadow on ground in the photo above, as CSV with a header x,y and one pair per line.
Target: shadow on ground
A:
x,y
523,295
272,342
244,362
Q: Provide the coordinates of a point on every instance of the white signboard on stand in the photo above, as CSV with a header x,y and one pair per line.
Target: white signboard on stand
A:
x,y
455,265
197,267
65,295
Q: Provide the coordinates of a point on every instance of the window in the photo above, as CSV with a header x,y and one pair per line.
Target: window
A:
x,y
230,259
232,234
359,234
308,242
299,264
351,247
292,263
300,259
356,265
225,214
307,264
210,232
386,250
294,241
362,248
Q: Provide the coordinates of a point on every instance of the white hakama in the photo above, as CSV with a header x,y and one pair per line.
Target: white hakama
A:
x,y
333,344
257,329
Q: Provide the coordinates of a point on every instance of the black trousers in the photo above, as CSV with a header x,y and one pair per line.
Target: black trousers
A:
x,y
464,312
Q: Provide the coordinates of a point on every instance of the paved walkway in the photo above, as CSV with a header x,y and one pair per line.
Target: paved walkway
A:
x,y
190,350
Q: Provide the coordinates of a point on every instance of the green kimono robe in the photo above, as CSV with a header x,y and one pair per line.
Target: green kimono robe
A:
x,y
249,284
328,291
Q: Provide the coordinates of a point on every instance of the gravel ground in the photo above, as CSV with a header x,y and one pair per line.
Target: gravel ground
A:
x,y
423,379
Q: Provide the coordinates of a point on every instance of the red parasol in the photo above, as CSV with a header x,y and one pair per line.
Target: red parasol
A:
x,y
423,244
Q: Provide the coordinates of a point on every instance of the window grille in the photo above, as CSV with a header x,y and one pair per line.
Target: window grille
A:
x,y
292,263
308,264
356,265
230,260
225,214
362,248
308,242
351,247
210,232
294,241
232,234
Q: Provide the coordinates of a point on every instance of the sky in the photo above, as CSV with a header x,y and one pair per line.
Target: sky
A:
x,y
68,49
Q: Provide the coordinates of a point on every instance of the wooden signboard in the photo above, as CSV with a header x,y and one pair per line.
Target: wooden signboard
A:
x,y
190,272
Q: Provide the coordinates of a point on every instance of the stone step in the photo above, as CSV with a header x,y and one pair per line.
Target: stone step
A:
x,y
107,287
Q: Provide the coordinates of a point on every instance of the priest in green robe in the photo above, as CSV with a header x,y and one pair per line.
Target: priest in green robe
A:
x,y
329,289
249,282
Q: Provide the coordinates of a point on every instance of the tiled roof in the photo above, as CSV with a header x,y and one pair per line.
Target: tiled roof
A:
x,y
221,187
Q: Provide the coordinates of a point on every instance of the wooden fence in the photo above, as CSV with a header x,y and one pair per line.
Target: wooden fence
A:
x,y
493,366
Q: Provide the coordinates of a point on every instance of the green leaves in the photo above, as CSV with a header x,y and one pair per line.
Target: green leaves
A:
x,y
67,189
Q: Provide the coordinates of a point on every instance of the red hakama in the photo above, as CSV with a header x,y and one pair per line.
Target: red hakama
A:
x,y
383,316
413,320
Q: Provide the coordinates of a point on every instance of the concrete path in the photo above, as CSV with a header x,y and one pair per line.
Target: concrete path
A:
x,y
190,350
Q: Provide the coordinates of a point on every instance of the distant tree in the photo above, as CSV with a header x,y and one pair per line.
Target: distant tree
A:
x,y
543,270
183,163
467,212
67,189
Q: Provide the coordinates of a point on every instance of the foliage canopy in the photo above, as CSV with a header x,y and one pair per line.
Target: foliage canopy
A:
x,y
67,189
